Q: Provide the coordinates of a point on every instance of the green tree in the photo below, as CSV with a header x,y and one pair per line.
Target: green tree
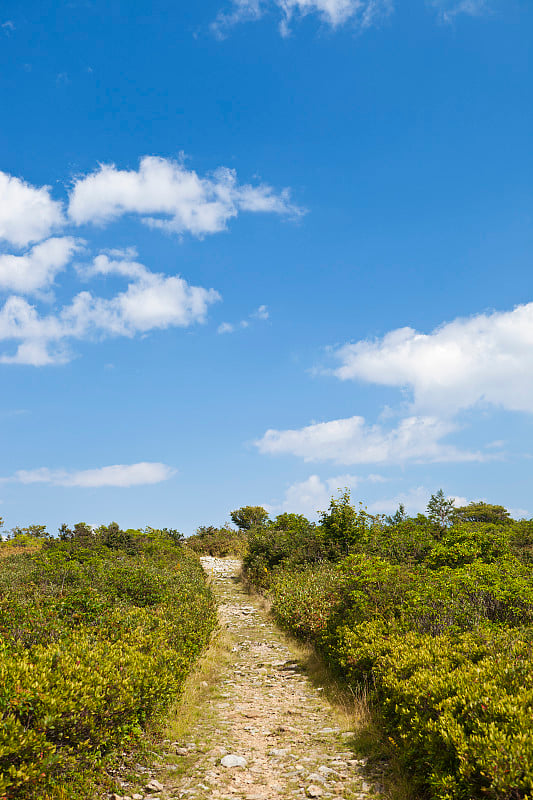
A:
x,y
37,531
344,526
397,517
291,522
440,509
248,517
482,512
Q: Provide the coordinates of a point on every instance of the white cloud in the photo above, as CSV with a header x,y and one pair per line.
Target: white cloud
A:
x,y
119,475
261,313
449,9
168,196
225,327
27,214
151,301
414,501
165,195
337,12
487,358
312,495
352,441
361,13
36,269
241,11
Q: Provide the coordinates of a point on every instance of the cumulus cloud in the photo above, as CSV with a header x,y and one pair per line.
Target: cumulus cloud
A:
x,y
118,475
352,441
166,195
361,13
151,301
487,358
27,213
36,270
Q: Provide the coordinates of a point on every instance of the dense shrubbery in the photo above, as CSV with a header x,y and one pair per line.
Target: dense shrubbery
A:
x,y
434,615
97,633
211,541
226,541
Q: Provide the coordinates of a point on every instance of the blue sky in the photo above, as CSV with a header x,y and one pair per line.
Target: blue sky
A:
x,y
254,251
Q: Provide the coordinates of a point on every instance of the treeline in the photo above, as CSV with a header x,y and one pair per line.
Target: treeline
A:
x,y
433,616
98,630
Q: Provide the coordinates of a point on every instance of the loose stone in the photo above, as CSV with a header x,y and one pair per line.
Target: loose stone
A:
x,y
154,786
232,760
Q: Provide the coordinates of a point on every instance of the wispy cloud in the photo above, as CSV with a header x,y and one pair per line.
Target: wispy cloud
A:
x,y
239,11
261,313
334,13
116,475
353,441
415,501
450,9
359,14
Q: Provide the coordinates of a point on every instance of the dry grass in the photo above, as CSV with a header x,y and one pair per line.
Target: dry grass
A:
x,y
7,549
198,686
351,708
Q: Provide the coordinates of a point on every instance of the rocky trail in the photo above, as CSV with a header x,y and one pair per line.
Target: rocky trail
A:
x,y
261,729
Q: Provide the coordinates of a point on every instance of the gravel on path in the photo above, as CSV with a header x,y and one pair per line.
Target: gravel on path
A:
x,y
265,731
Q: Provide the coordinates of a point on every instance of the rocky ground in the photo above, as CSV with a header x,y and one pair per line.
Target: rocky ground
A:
x,y
262,729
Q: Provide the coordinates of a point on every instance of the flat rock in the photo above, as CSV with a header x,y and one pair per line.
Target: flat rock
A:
x,y
232,760
314,791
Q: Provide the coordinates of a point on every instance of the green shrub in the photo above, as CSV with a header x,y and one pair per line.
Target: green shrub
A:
x,y
436,621
290,541
96,637
221,542
305,601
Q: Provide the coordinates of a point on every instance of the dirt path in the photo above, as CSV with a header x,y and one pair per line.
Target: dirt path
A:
x,y
261,709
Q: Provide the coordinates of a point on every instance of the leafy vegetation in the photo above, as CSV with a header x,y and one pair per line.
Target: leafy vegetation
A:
x,y
434,616
226,541
98,632
211,541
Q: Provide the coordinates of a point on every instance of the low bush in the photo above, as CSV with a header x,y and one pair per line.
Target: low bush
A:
x,y
96,638
435,618
221,542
